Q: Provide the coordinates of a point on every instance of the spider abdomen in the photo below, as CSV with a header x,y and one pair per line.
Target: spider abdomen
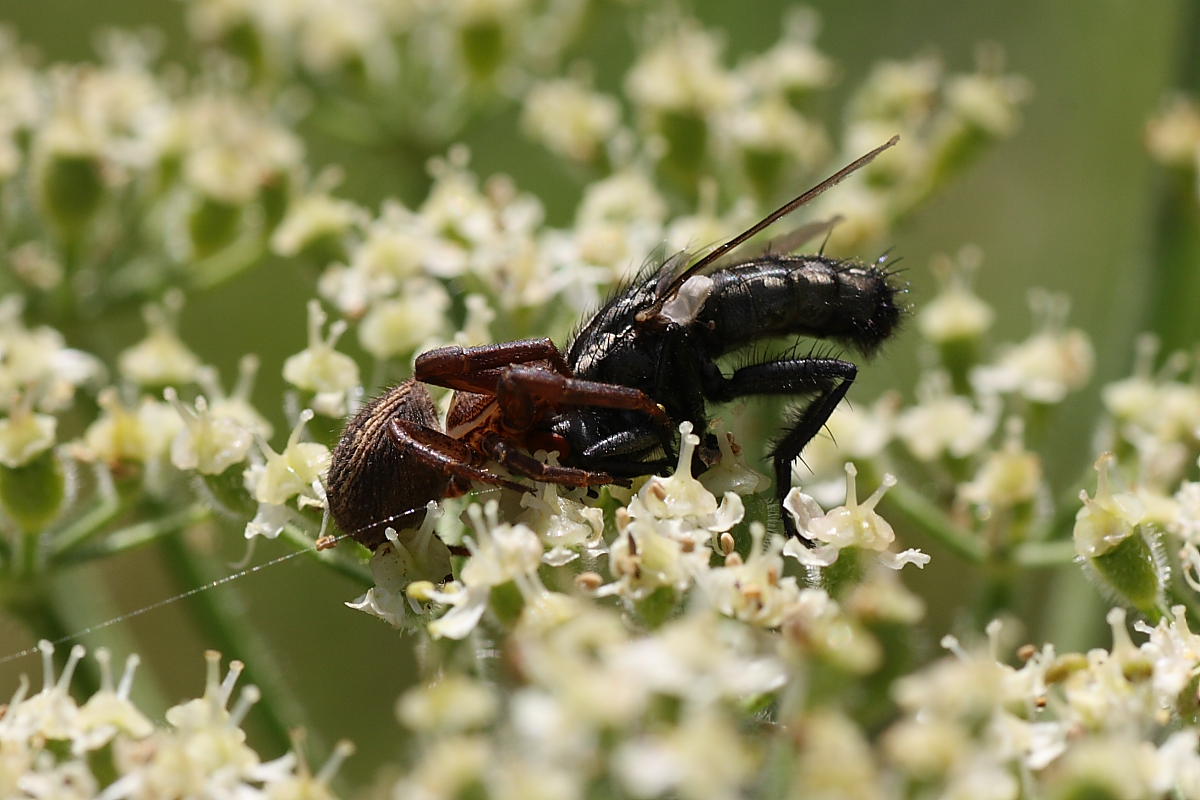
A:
x,y
372,484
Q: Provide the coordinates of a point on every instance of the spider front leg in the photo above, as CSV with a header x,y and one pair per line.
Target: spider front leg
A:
x,y
522,463
520,388
446,454
478,369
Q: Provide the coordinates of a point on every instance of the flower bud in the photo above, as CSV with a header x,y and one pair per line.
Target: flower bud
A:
x,y
1122,552
71,189
33,494
212,225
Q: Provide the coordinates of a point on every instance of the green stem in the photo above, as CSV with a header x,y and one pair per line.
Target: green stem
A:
x,y
103,511
1176,248
137,535
1176,276
930,519
227,623
1045,554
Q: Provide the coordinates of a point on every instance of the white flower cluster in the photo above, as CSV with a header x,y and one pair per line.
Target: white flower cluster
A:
x,y
1108,720
52,746
137,439
416,66
673,540
91,141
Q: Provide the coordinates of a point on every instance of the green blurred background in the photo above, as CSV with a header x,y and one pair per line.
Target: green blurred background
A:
x,y
1069,203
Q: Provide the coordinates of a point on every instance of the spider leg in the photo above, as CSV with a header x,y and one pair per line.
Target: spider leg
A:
x,y
827,378
524,464
478,369
520,386
445,453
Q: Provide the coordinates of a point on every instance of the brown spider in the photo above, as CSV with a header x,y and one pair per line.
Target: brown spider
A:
x,y
393,458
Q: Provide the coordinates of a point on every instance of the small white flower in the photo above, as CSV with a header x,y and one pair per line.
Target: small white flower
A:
x,y
25,435
313,218
451,704
793,67
943,424
38,364
1106,519
1053,361
570,118
236,404
987,100
209,443
682,72
566,526
852,525
161,358
51,713
296,472
898,92
142,434
402,324
682,501
1174,652
956,313
1009,476
1173,137
397,564
499,553
109,711
331,376
817,626
755,591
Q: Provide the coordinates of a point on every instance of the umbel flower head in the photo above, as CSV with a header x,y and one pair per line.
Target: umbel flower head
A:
x,y
54,747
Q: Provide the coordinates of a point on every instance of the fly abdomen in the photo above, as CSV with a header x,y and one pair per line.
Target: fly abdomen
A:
x,y
798,296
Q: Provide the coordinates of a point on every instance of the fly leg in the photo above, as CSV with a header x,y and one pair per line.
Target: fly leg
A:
x,y
827,378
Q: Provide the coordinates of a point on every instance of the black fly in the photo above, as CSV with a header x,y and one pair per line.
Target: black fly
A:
x,y
644,362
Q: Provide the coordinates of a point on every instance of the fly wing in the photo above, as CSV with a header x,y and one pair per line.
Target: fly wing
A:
x,y
723,250
789,242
